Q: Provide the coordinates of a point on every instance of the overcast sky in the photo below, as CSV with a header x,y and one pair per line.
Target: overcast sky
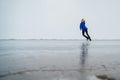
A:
x,y
59,19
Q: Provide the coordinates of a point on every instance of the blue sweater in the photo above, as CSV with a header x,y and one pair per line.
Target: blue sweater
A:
x,y
82,26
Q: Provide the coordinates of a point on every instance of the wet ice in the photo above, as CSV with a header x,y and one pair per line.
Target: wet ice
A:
x,y
58,59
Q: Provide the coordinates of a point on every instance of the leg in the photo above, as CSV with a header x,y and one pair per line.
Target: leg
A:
x,y
83,33
88,35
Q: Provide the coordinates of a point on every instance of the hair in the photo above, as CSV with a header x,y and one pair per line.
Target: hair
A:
x,y
82,20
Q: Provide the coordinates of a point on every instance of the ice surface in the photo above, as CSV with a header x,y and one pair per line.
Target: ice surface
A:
x,y
58,59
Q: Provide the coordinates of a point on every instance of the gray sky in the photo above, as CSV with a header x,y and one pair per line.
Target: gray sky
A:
x,y
59,19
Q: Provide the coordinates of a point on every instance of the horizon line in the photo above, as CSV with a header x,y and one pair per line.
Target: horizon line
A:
x,y
65,39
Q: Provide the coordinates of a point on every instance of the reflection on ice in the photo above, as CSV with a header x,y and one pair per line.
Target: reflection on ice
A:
x,y
83,57
84,52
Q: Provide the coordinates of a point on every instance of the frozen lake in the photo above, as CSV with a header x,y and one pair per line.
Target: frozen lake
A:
x,y
58,59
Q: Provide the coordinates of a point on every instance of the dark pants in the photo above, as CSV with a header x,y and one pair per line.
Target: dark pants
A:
x,y
87,35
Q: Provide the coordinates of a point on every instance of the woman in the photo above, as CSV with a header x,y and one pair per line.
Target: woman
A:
x,y
84,30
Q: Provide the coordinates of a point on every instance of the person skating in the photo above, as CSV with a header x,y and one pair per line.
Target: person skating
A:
x,y
84,30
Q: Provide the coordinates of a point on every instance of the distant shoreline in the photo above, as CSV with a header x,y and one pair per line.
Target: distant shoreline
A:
x,y
68,39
